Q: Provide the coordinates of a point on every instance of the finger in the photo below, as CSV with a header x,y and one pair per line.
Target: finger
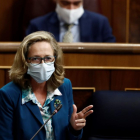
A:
x,y
80,121
74,109
81,124
88,113
87,108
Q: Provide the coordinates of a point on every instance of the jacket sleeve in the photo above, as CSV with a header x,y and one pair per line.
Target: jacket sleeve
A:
x,y
72,135
6,116
107,32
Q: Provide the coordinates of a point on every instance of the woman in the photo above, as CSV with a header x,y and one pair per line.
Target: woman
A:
x,y
38,86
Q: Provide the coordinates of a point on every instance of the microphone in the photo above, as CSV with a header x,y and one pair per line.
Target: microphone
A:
x,y
55,111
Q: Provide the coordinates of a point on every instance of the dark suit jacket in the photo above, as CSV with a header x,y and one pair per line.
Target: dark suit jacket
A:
x,y
93,27
20,122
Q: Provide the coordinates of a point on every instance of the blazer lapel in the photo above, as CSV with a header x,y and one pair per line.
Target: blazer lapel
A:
x,y
54,26
35,111
55,121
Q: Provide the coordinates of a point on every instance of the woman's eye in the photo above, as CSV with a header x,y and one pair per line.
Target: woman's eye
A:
x,y
34,59
48,58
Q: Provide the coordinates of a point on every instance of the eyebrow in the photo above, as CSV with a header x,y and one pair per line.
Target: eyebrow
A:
x,y
40,56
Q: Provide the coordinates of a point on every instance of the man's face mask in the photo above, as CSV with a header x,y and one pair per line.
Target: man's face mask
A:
x,y
69,16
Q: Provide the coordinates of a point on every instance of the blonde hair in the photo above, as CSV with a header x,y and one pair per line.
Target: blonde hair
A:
x,y
18,72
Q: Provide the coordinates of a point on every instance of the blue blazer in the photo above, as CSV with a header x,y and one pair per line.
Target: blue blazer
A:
x,y
21,122
93,27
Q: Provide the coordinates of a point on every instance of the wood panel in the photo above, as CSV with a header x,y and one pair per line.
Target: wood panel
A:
x,y
85,54
119,11
103,66
121,79
134,21
102,60
89,78
6,59
108,79
6,19
2,78
106,9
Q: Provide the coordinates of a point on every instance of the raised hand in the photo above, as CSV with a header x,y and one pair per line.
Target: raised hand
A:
x,y
78,120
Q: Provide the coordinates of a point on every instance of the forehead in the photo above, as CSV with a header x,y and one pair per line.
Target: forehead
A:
x,y
40,48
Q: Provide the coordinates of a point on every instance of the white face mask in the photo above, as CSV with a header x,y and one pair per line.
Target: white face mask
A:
x,y
41,72
69,16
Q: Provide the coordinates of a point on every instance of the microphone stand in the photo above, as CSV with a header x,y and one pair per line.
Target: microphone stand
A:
x,y
55,111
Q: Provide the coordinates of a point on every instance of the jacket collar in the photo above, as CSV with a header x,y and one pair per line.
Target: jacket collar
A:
x,y
27,96
35,111
55,119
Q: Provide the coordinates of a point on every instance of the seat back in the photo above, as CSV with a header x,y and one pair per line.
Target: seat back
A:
x,y
116,115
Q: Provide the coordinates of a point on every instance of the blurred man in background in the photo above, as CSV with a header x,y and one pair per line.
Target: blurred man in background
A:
x,y
71,23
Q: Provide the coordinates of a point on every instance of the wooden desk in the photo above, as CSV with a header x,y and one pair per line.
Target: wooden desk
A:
x,y
108,66
106,55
